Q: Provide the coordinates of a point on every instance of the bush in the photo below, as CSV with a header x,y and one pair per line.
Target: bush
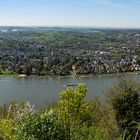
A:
x,y
42,126
85,132
103,116
18,110
7,129
125,100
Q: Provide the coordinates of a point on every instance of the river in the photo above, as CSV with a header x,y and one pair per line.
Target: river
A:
x,y
47,89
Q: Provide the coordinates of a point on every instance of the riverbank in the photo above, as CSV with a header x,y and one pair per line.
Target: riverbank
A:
x,y
70,76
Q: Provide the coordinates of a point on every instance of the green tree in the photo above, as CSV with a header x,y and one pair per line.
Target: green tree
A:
x,y
125,100
72,108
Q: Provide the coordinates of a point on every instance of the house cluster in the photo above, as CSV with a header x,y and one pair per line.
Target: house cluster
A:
x,y
61,56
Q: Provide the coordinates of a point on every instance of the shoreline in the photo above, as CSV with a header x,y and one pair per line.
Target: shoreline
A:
x,y
72,76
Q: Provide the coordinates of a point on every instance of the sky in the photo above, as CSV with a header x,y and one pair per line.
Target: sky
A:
x,y
95,13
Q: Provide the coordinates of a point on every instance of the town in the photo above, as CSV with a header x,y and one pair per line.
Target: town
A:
x,y
68,51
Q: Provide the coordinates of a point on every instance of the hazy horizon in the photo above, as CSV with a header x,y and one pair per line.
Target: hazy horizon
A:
x,y
72,13
68,26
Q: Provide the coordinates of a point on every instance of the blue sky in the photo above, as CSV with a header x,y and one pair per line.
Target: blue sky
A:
x,y
97,13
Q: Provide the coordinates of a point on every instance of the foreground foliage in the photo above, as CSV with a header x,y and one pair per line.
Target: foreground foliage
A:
x,y
74,118
125,101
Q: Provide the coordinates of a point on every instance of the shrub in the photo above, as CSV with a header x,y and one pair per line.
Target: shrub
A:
x,y
84,132
44,126
125,100
7,129
17,111
103,116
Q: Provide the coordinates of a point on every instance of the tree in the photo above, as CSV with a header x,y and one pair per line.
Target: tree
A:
x,y
125,100
72,108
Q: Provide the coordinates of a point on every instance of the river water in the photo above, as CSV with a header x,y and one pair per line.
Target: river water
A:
x,y
47,89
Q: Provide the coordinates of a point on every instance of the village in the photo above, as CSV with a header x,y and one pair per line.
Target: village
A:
x,y
67,51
